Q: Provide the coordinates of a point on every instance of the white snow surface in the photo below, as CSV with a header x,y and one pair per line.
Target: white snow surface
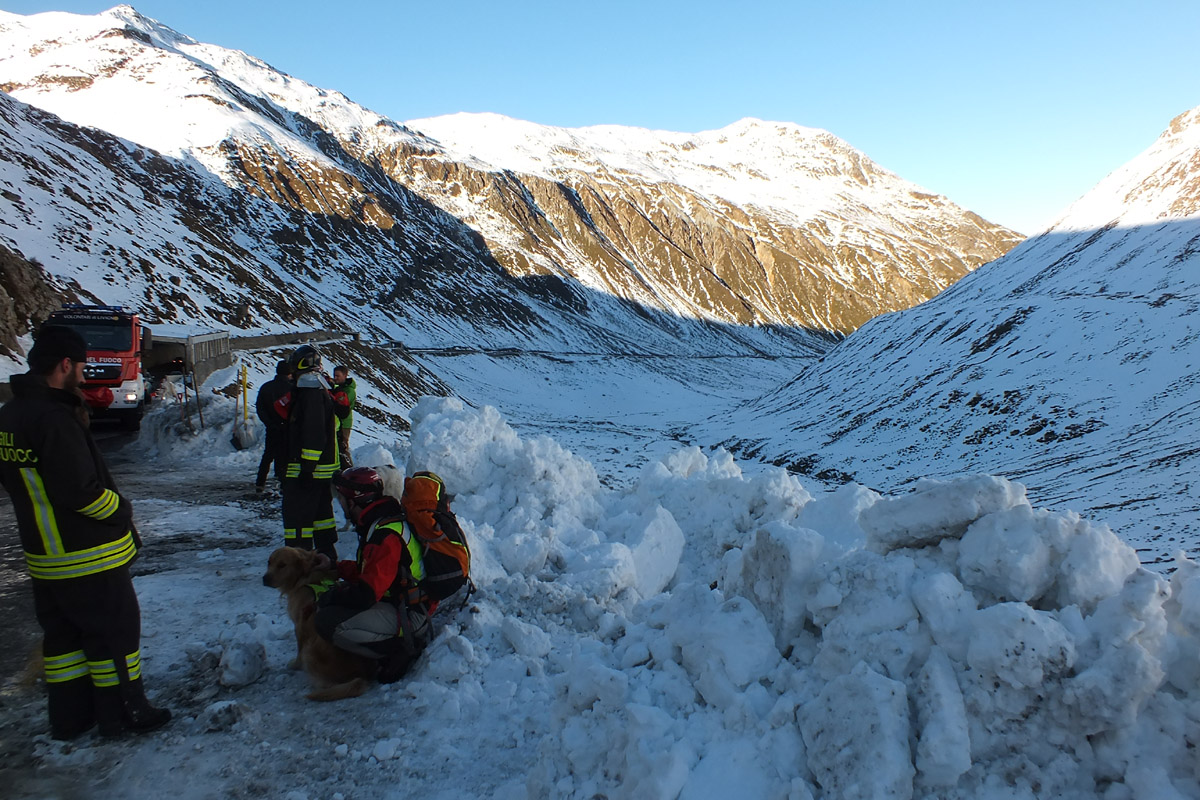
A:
x,y
701,632
1070,364
204,95
201,94
751,162
1159,184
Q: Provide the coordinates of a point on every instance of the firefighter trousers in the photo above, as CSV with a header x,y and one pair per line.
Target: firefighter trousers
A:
x,y
308,521
274,458
92,631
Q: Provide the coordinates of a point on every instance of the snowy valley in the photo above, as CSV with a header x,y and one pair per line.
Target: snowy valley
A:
x,y
729,540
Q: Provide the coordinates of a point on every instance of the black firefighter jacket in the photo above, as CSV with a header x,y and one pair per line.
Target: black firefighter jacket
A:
x,y
311,430
268,395
71,519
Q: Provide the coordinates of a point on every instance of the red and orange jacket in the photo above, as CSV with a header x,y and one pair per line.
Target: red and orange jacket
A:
x,y
389,561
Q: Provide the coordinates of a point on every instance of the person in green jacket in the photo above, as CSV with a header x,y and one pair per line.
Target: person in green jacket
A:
x,y
345,399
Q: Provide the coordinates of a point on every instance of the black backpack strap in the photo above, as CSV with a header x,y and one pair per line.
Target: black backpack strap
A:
x,y
402,603
410,634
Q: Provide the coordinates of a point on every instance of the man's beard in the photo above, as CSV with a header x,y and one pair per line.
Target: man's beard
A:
x,y
72,382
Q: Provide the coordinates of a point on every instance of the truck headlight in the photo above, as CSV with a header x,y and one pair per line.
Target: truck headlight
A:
x,y
130,397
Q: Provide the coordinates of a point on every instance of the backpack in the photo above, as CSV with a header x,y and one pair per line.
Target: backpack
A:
x,y
445,552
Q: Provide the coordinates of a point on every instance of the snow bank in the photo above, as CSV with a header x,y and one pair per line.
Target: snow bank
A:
x,y
704,632
734,634
535,511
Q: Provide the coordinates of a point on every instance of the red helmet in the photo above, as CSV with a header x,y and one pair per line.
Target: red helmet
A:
x,y
359,485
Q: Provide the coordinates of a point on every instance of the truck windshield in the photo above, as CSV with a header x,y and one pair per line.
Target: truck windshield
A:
x,y
116,336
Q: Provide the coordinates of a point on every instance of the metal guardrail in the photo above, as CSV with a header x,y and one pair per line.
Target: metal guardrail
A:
x,y
267,341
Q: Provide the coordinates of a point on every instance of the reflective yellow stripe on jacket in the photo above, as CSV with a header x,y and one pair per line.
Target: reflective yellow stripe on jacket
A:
x,y
104,506
415,551
109,555
320,471
43,511
58,563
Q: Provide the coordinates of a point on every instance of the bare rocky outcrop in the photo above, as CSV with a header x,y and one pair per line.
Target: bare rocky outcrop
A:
x,y
670,246
26,299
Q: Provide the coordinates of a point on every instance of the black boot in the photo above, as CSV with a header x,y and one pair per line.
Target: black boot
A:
x,y
110,708
407,647
67,733
394,666
138,715
145,718
72,708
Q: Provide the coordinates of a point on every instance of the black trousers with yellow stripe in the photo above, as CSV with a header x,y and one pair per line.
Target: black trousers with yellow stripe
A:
x,y
92,630
308,521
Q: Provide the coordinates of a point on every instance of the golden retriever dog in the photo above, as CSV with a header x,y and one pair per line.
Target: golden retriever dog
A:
x,y
335,673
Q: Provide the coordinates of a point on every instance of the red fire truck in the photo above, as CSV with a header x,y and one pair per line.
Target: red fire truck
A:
x,y
116,340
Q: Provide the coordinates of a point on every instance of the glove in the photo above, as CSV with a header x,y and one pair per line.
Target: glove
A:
x,y
355,595
307,469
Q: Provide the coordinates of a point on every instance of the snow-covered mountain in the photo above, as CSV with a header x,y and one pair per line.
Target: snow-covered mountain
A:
x,y
704,628
771,225
759,222
1072,364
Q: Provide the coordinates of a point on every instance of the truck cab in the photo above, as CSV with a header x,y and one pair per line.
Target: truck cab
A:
x,y
115,383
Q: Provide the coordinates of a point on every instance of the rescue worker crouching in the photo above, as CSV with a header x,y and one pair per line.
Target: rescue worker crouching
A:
x,y
377,608
78,536
312,457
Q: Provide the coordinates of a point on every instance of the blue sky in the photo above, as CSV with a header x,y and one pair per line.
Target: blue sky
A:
x,y
1013,109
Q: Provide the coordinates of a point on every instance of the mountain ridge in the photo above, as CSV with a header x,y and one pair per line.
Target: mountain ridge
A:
x,y
616,234
1070,364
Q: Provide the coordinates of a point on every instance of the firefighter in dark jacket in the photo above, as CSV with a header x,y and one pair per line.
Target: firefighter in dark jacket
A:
x,y
377,609
312,457
78,536
274,453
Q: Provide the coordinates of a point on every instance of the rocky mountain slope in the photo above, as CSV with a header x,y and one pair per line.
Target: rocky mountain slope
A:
x,y
309,203
1072,364
291,240
25,297
755,223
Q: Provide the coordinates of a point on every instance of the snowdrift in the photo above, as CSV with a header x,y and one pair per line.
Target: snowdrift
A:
x,y
716,634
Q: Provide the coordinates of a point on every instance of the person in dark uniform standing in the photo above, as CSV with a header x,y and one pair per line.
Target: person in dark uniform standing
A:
x,y
312,457
78,536
276,426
